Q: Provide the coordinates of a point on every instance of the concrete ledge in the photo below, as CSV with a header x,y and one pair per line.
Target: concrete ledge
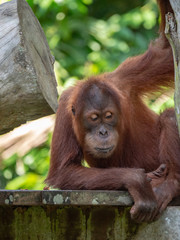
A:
x,y
57,197
79,215
69,197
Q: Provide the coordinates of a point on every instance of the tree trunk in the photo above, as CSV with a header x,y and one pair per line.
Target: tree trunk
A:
x,y
173,34
27,81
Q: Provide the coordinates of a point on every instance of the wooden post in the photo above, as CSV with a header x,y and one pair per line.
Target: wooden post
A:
x,y
172,32
27,81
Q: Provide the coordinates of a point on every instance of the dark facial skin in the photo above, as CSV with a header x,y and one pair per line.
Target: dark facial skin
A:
x,y
100,121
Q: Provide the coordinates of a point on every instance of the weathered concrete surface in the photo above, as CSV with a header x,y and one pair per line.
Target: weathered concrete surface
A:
x,y
166,228
79,215
53,197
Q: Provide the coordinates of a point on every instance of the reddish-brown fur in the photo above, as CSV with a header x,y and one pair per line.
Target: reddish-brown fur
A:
x,y
146,140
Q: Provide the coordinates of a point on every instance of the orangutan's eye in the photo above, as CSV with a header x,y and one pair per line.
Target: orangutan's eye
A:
x,y
108,115
94,117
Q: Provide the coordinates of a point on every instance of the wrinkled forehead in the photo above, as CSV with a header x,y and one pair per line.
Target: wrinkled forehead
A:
x,y
98,98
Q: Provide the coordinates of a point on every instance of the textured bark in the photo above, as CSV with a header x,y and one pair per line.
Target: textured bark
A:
x,y
27,81
173,34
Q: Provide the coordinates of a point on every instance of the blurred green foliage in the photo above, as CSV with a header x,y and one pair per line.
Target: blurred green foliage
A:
x,y
84,45
27,172
86,37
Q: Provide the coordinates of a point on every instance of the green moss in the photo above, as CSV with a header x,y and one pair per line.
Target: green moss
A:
x,y
128,227
66,223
